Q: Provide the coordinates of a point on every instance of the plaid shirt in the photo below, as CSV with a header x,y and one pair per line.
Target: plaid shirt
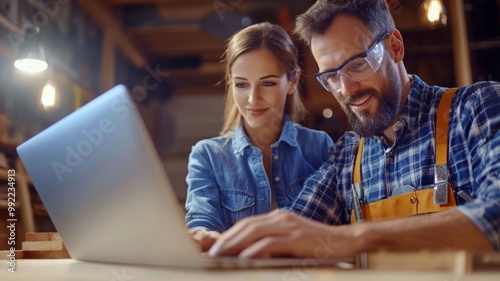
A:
x,y
473,158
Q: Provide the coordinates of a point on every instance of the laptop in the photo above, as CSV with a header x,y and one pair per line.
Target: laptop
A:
x,y
107,193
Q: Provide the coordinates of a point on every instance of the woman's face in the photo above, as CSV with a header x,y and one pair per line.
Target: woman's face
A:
x,y
260,88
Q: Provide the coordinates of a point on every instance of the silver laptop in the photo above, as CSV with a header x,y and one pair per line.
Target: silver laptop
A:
x,y
107,193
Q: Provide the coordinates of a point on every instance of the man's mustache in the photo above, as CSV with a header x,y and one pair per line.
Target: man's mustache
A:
x,y
360,94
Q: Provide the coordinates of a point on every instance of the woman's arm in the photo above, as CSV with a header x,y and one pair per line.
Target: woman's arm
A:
x,y
203,206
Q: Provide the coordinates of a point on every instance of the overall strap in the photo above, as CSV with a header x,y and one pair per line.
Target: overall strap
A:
x,y
441,139
442,121
419,201
357,162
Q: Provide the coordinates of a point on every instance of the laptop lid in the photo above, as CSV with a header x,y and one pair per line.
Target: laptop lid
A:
x,y
103,185
107,193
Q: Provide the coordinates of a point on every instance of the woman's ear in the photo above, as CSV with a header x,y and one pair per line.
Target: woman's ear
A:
x,y
294,83
396,47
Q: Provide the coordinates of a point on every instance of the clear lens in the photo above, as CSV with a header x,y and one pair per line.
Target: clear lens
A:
x,y
358,69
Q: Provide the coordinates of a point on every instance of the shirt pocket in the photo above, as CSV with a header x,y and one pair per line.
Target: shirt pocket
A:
x,y
237,205
293,190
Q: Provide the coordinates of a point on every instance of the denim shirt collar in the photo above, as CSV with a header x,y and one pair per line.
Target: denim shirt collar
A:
x,y
240,140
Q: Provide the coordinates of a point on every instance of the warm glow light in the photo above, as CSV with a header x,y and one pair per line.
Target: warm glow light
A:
x,y
327,113
48,98
434,10
433,13
31,65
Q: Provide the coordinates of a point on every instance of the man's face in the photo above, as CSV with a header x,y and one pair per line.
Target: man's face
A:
x,y
371,104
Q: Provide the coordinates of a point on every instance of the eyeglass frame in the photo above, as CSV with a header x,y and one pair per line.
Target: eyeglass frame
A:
x,y
360,55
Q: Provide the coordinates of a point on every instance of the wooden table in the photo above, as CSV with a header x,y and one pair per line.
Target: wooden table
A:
x,y
69,269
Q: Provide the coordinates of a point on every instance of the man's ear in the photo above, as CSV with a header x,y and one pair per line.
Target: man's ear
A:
x,y
396,47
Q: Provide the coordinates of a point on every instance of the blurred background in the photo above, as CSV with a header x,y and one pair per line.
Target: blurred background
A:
x,y
168,52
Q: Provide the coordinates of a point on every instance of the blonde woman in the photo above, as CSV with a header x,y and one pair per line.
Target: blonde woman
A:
x,y
262,156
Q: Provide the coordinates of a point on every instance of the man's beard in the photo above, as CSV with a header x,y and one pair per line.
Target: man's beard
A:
x,y
389,100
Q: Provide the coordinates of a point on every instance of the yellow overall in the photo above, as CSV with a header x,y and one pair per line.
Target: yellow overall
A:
x,y
419,201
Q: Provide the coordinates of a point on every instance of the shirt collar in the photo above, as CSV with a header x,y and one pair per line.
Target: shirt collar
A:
x,y
412,109
408,118
240,139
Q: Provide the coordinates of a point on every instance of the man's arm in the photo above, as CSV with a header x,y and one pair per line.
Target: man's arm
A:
x,y
282,233
438,231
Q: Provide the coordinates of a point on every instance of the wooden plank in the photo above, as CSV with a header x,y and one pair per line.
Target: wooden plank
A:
x,y
42,246
23,193
43,236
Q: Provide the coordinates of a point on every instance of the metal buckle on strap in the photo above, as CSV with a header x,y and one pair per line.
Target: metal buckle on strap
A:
x,y
441,185
357,198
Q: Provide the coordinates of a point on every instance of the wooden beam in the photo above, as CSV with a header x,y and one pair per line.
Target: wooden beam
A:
x,y
177,40
108,55
7,51
108,21
185,11
7,23
463,72
147,2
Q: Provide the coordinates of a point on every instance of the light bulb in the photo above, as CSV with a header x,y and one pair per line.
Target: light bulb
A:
x,y
48,98
30,57
433,13
31,65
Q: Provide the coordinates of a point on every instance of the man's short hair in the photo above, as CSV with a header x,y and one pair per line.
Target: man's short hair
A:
x,y
374,14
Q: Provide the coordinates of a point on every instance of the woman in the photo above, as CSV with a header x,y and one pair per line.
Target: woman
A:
x,y
261,158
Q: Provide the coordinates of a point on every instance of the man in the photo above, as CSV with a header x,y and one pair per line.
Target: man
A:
x,y
360,56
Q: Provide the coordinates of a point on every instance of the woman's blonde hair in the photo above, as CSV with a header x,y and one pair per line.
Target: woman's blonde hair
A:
x,y
262,36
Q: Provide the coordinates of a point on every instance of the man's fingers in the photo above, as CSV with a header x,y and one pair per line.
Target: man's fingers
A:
x,y
247,231
244,232
204,239
276,246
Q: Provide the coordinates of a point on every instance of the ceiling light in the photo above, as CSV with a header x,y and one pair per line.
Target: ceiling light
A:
x,y
433,13
30,56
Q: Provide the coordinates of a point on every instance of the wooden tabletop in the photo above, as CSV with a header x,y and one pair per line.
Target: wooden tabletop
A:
x,y
69,269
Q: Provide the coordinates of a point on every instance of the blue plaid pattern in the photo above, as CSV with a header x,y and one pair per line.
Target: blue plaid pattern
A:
x,y
473,158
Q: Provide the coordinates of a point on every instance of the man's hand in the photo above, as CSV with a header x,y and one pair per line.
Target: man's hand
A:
x,y
205,239
281,233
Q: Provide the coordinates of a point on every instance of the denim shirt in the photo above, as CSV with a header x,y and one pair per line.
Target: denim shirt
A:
x,y
227,180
